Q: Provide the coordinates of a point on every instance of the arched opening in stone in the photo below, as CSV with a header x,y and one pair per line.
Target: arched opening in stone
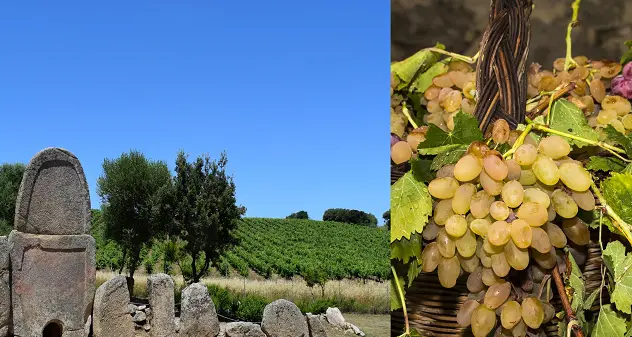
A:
x,y
52,329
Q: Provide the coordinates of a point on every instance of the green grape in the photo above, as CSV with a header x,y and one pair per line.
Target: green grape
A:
x,y
499,210
512,194
456,225
565,160
464,316
469,264
546,170
511,314
554,146
521,233
551,213
495,166
527,177
449,271
513,170
533,213
540,241
576,230
545,260
500,266
474,281
520,330
480,226
584,200
497,294
462,198
548,190
443,188
532,312
446,244
490,248
430,257
575,177
564,204
518,258
489,277
537,272
479,207
442,211
499,233
486,258
430,230
556,235
467,168
536,195
491,186
466,244
525,154
483,321
549,311
446,171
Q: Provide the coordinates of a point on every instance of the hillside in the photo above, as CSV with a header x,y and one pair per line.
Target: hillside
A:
x,y
290,247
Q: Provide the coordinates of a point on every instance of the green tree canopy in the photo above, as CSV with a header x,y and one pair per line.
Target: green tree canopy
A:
x,y
298,215
133,191
10,179
205,211
351,216
387,219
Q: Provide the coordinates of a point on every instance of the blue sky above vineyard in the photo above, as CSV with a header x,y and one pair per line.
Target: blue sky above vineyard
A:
x,y
294,91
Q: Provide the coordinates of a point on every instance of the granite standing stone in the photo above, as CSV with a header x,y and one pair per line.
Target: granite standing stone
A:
x,y
316,328
243,329
335,318
161,301
111,315
198,316
5,287
283,318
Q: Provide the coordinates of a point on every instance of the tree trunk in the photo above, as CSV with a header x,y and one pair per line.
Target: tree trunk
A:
x,y
322,290
194,268
132,269
123,262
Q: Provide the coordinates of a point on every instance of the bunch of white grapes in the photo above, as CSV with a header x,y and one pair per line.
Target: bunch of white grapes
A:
x,y
492,215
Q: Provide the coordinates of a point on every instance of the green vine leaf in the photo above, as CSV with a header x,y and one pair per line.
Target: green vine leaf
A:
x,y
414,268
609,323
606,164
617,190
424,81
465,132
420,62
406,249
448,157
411,205
576,282
621,264
396,303
627,56
591,299
567,117
619,138
591,218
421,169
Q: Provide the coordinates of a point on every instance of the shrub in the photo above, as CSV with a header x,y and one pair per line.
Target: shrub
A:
x,y
351,216
298,215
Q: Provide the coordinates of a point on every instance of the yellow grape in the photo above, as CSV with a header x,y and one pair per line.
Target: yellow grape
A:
x,y
551,213
491,186
469,264
432,93
617,125
576,230
597,90
518,258
442,211
474,281
538,196
467,168
549,311
489,277
533,213
554,146
495,166
512,193
445,244
520,330
564,204
499,233
480,226
513,170
544,188
605,116
452,101
466,244
446,171
521,233
499,210
500,266
627,121
527,177
490,248
479,207
486,259
540,240
532,312
464,316
401,152
430,258
575,177
497,294
545,260
448,271
462,198
556,235
618,104
443,81
443,188
546,170
511,314
584,200
525,154
483,321
456,225
430,230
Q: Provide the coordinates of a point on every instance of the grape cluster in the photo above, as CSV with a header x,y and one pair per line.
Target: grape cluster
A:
x,y
492,216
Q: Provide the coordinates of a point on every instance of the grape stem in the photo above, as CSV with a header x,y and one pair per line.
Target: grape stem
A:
x,y
463,58
621,225
561,291
569,62
403,300
519,141
407,114
570,325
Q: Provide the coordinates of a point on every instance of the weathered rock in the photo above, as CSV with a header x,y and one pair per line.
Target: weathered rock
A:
x,y
334,317
139,317
131,309
45,269
243,329
283,318
316,328
5,287
160,290
111,311
53,197
198,316
355,329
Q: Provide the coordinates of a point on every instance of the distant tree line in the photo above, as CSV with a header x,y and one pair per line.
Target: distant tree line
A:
x,y
350,216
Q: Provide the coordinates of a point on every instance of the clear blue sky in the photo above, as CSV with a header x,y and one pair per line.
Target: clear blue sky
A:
x,y
294,91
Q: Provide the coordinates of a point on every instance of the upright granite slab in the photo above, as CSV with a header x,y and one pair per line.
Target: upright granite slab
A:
x,y
283,318
198,316
53,267
160,289
5,287
111,312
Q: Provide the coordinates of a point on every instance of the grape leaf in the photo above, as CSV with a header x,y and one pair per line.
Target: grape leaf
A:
x,y
414,268
619,138
411,205
627,56
396,302
424,81
406,249
617,190
591,299
591,218
576,282
606,164
609,323
465,132
448,157
421,169
621,264
568,118
420,62
627,169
